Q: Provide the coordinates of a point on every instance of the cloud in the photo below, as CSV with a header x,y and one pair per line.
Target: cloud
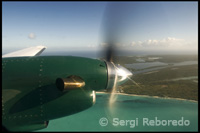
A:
x,y
169,42
115,44
31,36
91,46
103,44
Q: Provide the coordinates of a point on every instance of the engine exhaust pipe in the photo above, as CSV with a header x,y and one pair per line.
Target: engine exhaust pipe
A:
x,y
69,83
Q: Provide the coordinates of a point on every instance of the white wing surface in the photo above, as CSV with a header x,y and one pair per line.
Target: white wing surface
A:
x,y
31,51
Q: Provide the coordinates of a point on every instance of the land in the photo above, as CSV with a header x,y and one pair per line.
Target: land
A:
x,y
160,82
162,58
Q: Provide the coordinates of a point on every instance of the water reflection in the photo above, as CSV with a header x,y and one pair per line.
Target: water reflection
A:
x,y
147,66
157,63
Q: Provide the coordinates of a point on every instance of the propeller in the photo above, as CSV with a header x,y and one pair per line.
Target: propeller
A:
x,y
112,28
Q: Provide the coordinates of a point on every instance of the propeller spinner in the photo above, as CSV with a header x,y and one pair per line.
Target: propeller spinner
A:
x,y
117,75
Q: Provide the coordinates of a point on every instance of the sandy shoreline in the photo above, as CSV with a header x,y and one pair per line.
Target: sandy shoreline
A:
x,y
150,96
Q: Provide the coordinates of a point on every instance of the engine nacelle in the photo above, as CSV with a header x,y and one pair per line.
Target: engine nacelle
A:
x,y
28,127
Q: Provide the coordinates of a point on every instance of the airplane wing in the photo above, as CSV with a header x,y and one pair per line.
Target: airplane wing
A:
x,y
31,51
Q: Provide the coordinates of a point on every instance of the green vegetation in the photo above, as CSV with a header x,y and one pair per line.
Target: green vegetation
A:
x,y
159,82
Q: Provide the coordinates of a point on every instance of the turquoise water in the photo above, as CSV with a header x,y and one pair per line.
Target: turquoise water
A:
x,y
131,113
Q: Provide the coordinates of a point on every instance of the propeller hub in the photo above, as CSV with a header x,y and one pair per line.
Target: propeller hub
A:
x,y
117,75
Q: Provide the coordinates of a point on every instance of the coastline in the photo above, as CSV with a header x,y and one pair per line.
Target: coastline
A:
x,y
150,96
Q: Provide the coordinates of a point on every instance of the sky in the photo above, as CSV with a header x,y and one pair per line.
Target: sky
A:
x,y
133,26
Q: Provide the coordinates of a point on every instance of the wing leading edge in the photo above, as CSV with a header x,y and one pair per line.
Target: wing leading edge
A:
x,y
31,51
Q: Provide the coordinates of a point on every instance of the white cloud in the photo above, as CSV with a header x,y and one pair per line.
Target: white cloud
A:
x,y
31,36
115,44
103,44
91,46
169,42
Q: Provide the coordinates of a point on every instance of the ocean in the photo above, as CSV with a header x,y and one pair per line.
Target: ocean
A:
x,y
98,53
131,113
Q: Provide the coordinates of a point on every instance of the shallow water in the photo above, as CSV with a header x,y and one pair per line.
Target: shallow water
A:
x,y
145,65
186,63
185,78
157,63
147,70
130,109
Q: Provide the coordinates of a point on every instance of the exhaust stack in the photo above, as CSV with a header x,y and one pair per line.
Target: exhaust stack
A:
x,y
69,83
